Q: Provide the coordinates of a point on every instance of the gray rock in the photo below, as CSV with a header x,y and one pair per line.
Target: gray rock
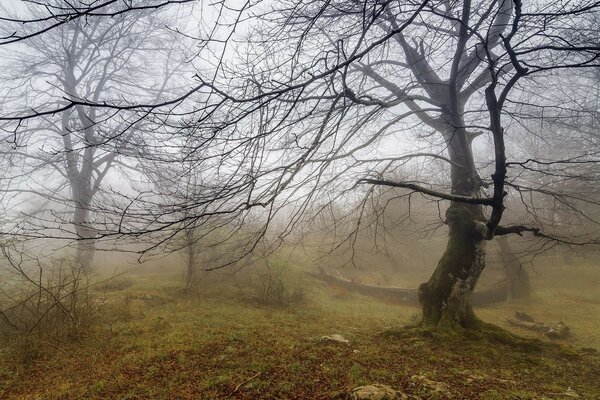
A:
x,y
558,331
335,338
376,392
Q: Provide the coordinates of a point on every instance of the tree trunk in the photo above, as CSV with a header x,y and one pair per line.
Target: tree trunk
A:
x,y
446,297
86,244
191,260
516,274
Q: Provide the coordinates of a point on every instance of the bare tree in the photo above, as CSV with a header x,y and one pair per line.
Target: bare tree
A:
x,y
50,15
336,90
130,55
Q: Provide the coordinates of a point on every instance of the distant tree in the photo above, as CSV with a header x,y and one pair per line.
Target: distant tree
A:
x,y
66,158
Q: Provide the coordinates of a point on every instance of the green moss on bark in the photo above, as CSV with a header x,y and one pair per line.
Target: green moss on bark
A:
x,y
446,297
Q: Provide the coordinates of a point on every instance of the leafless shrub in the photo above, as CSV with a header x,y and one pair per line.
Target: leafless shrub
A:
x,y
48,303
279,284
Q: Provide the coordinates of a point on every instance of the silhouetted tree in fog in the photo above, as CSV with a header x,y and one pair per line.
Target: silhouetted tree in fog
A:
x,y
128,56
347,91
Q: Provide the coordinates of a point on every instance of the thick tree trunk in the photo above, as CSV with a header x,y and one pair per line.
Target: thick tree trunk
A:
x,y
516,274
446,297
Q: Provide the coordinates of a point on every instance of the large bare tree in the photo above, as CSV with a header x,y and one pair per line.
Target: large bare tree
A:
x,y
341,94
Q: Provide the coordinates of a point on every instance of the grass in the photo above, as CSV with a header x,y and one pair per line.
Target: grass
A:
x,y
217,344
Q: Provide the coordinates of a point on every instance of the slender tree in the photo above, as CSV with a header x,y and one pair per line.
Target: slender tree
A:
x,y
129,56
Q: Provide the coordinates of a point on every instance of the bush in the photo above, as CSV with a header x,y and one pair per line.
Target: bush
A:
x,y
279,284
51,303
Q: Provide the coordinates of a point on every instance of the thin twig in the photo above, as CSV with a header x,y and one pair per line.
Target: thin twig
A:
x,y
243,383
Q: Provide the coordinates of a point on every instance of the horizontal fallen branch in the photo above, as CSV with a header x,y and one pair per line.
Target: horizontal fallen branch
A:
x,y
556,331
497,293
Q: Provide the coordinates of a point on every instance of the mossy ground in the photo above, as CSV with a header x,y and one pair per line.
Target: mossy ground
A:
x,y
217,344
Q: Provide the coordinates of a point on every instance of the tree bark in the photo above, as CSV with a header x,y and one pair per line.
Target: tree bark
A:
x,y
86,245
191,260
446,298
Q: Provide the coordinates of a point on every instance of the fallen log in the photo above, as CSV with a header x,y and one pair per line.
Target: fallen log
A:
x,y
556,331
495,294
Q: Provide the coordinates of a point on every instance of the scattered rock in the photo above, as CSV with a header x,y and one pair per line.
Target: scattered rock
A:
x,y
474,378
150,299
335,338
376,392
107,299
506,381
557,331
373,392
570,393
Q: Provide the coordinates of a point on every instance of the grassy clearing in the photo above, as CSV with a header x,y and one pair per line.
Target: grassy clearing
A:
x,y
219,343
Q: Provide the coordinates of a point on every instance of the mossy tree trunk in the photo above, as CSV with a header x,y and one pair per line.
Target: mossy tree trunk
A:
x,y
446,296
190,259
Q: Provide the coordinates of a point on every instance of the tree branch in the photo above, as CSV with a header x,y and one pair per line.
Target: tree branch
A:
x,y
488,201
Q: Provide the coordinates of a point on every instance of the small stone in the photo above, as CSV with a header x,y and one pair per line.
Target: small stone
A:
x,y
558,331
520,315
571,393
151,299
335,338
376,392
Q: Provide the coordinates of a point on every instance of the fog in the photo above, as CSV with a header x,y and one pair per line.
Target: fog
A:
x,y
299,200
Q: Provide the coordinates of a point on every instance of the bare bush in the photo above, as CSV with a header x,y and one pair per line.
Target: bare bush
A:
x,y
48,302
277,283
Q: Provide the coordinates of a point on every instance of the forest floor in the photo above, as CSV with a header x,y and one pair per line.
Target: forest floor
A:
x,y
218,344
